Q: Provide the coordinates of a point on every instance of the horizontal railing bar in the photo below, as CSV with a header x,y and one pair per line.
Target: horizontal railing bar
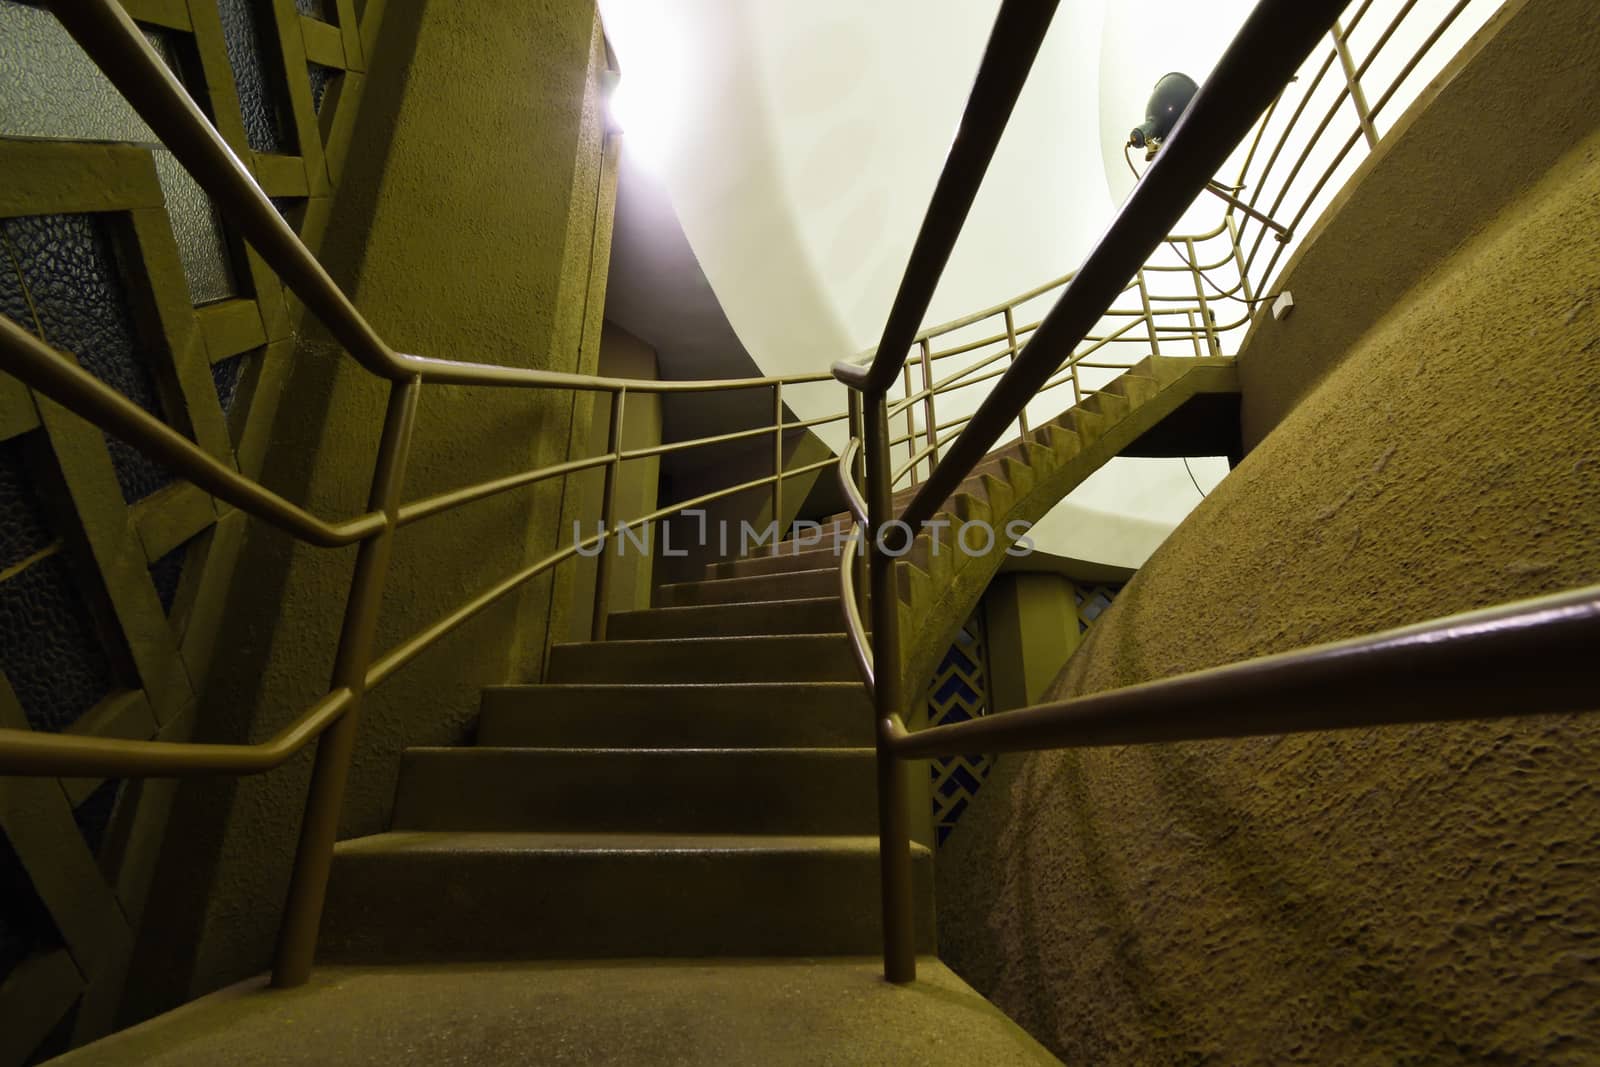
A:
x,y
433,505
1275,39
59,377
1533,657
385,665
1019,31
737,435
36,752
743,487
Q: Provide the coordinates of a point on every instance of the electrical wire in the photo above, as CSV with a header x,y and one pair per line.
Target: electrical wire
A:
x,y
1197,488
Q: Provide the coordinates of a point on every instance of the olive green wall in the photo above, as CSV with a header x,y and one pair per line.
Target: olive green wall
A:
x,y
1400,895
1031,622
472,222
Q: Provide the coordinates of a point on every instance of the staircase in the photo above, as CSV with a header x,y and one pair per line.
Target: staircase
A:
x,y
702,783
1161,406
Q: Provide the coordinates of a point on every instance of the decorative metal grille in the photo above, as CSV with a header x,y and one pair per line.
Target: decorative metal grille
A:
x,y
114,254
960,691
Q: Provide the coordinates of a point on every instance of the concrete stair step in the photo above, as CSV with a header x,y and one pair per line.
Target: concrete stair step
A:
x,y
752,589
421,896
777,658
756,715
806,615
612,790
818,555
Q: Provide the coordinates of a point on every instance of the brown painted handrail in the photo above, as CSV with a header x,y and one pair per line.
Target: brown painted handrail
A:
x,y
1532,657
1018,33
1271,45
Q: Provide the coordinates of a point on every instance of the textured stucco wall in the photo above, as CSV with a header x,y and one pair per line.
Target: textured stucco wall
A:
x,y
470,223
1404,895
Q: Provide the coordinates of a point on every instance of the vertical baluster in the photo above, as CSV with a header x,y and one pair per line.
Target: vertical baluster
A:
x,y
308,883
1200,294
927,405
894,827
777,457
911,423
1245,289
1011,341
1358,97
1149,314
612,543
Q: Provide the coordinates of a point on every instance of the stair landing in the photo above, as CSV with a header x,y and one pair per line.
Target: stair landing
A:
x,y
636,1012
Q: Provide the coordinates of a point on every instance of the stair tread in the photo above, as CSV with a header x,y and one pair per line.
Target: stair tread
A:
x,y
712,608
796,751
497,842
638,686
753,578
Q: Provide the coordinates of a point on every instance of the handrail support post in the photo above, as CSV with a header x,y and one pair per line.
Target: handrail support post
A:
x,y
308,883
1358,96
611,537
894,825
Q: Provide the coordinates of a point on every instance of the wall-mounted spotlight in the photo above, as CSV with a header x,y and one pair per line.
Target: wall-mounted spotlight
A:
x,y
1168,101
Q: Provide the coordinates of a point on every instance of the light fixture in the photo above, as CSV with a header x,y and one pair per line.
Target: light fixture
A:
x,y
1167,103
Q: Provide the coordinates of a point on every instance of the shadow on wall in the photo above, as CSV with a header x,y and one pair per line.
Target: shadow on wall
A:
x,y
1402,894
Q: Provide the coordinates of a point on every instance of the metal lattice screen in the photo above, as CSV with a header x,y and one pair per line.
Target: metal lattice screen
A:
x,y
110,251
960,691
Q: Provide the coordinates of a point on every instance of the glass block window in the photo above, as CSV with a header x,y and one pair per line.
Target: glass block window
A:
x,y
321,78
165,573
25,924
49,647
59,275
53,90
246,27
93,815
24,530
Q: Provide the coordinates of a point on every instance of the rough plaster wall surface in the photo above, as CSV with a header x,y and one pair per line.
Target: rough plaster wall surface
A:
x,y
465,227
1402,895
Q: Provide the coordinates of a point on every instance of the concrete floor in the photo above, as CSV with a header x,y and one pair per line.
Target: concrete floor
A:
x,y
834,1011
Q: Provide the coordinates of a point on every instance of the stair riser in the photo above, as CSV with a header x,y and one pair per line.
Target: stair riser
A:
x,y
748,659
783,792
821,716
765,587
813,556
815,616
516,905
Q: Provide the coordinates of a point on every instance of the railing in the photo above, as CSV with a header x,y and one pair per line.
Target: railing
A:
x,y
1166,303
107,34
1524,658
1199,291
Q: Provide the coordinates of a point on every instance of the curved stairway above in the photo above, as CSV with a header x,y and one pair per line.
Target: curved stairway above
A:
x,y
1162,406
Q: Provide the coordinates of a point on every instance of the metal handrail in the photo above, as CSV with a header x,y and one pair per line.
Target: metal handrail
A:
x,y
113,41
1248,82
1532,657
